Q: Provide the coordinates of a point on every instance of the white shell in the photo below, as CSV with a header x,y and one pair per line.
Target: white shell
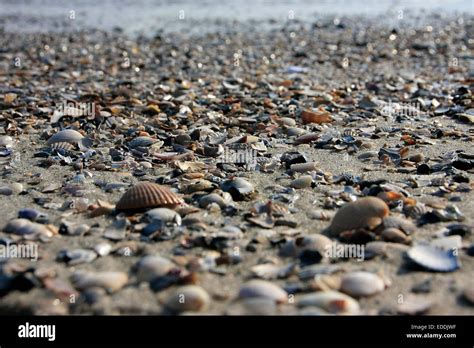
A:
x,y
188,298
110,281
262,288
434,259
358,284
66,136
151,267
331,301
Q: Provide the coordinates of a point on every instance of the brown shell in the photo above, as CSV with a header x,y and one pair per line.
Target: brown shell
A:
x,y
365,212
148,195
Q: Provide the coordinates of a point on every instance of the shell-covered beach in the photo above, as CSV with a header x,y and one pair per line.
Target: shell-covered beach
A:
x,y
304,162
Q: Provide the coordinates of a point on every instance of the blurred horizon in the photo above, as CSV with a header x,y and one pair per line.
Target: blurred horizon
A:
x,y
146,16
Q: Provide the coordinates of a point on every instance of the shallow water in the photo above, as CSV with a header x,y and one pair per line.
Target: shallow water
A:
x,y
149,16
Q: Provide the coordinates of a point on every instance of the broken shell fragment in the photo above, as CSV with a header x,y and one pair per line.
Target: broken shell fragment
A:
x,y
360,284
239,188
148,195
264,289
188,298
365,212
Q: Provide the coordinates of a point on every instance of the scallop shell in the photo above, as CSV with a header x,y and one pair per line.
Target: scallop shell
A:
x,y
110,281
262,289
66,136
358,284
331,301
148,195
365,212
434,259
188,298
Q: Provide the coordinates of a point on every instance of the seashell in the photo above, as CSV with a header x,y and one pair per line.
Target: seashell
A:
x,y
74,229
165,215
103,249
399,223
77,256
188,298
6,141
331,301
414,305
306,138
319,116
262,289
434,259
199,185
67,136
24,227
148,195
394,235
365,212
221,200
360,284
6,191
271,271
296,132
32,215
417,211
253,306
303,181
141,142
151,267
117,229
62,146
17,187
110,281
303,167
314,242
239,188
